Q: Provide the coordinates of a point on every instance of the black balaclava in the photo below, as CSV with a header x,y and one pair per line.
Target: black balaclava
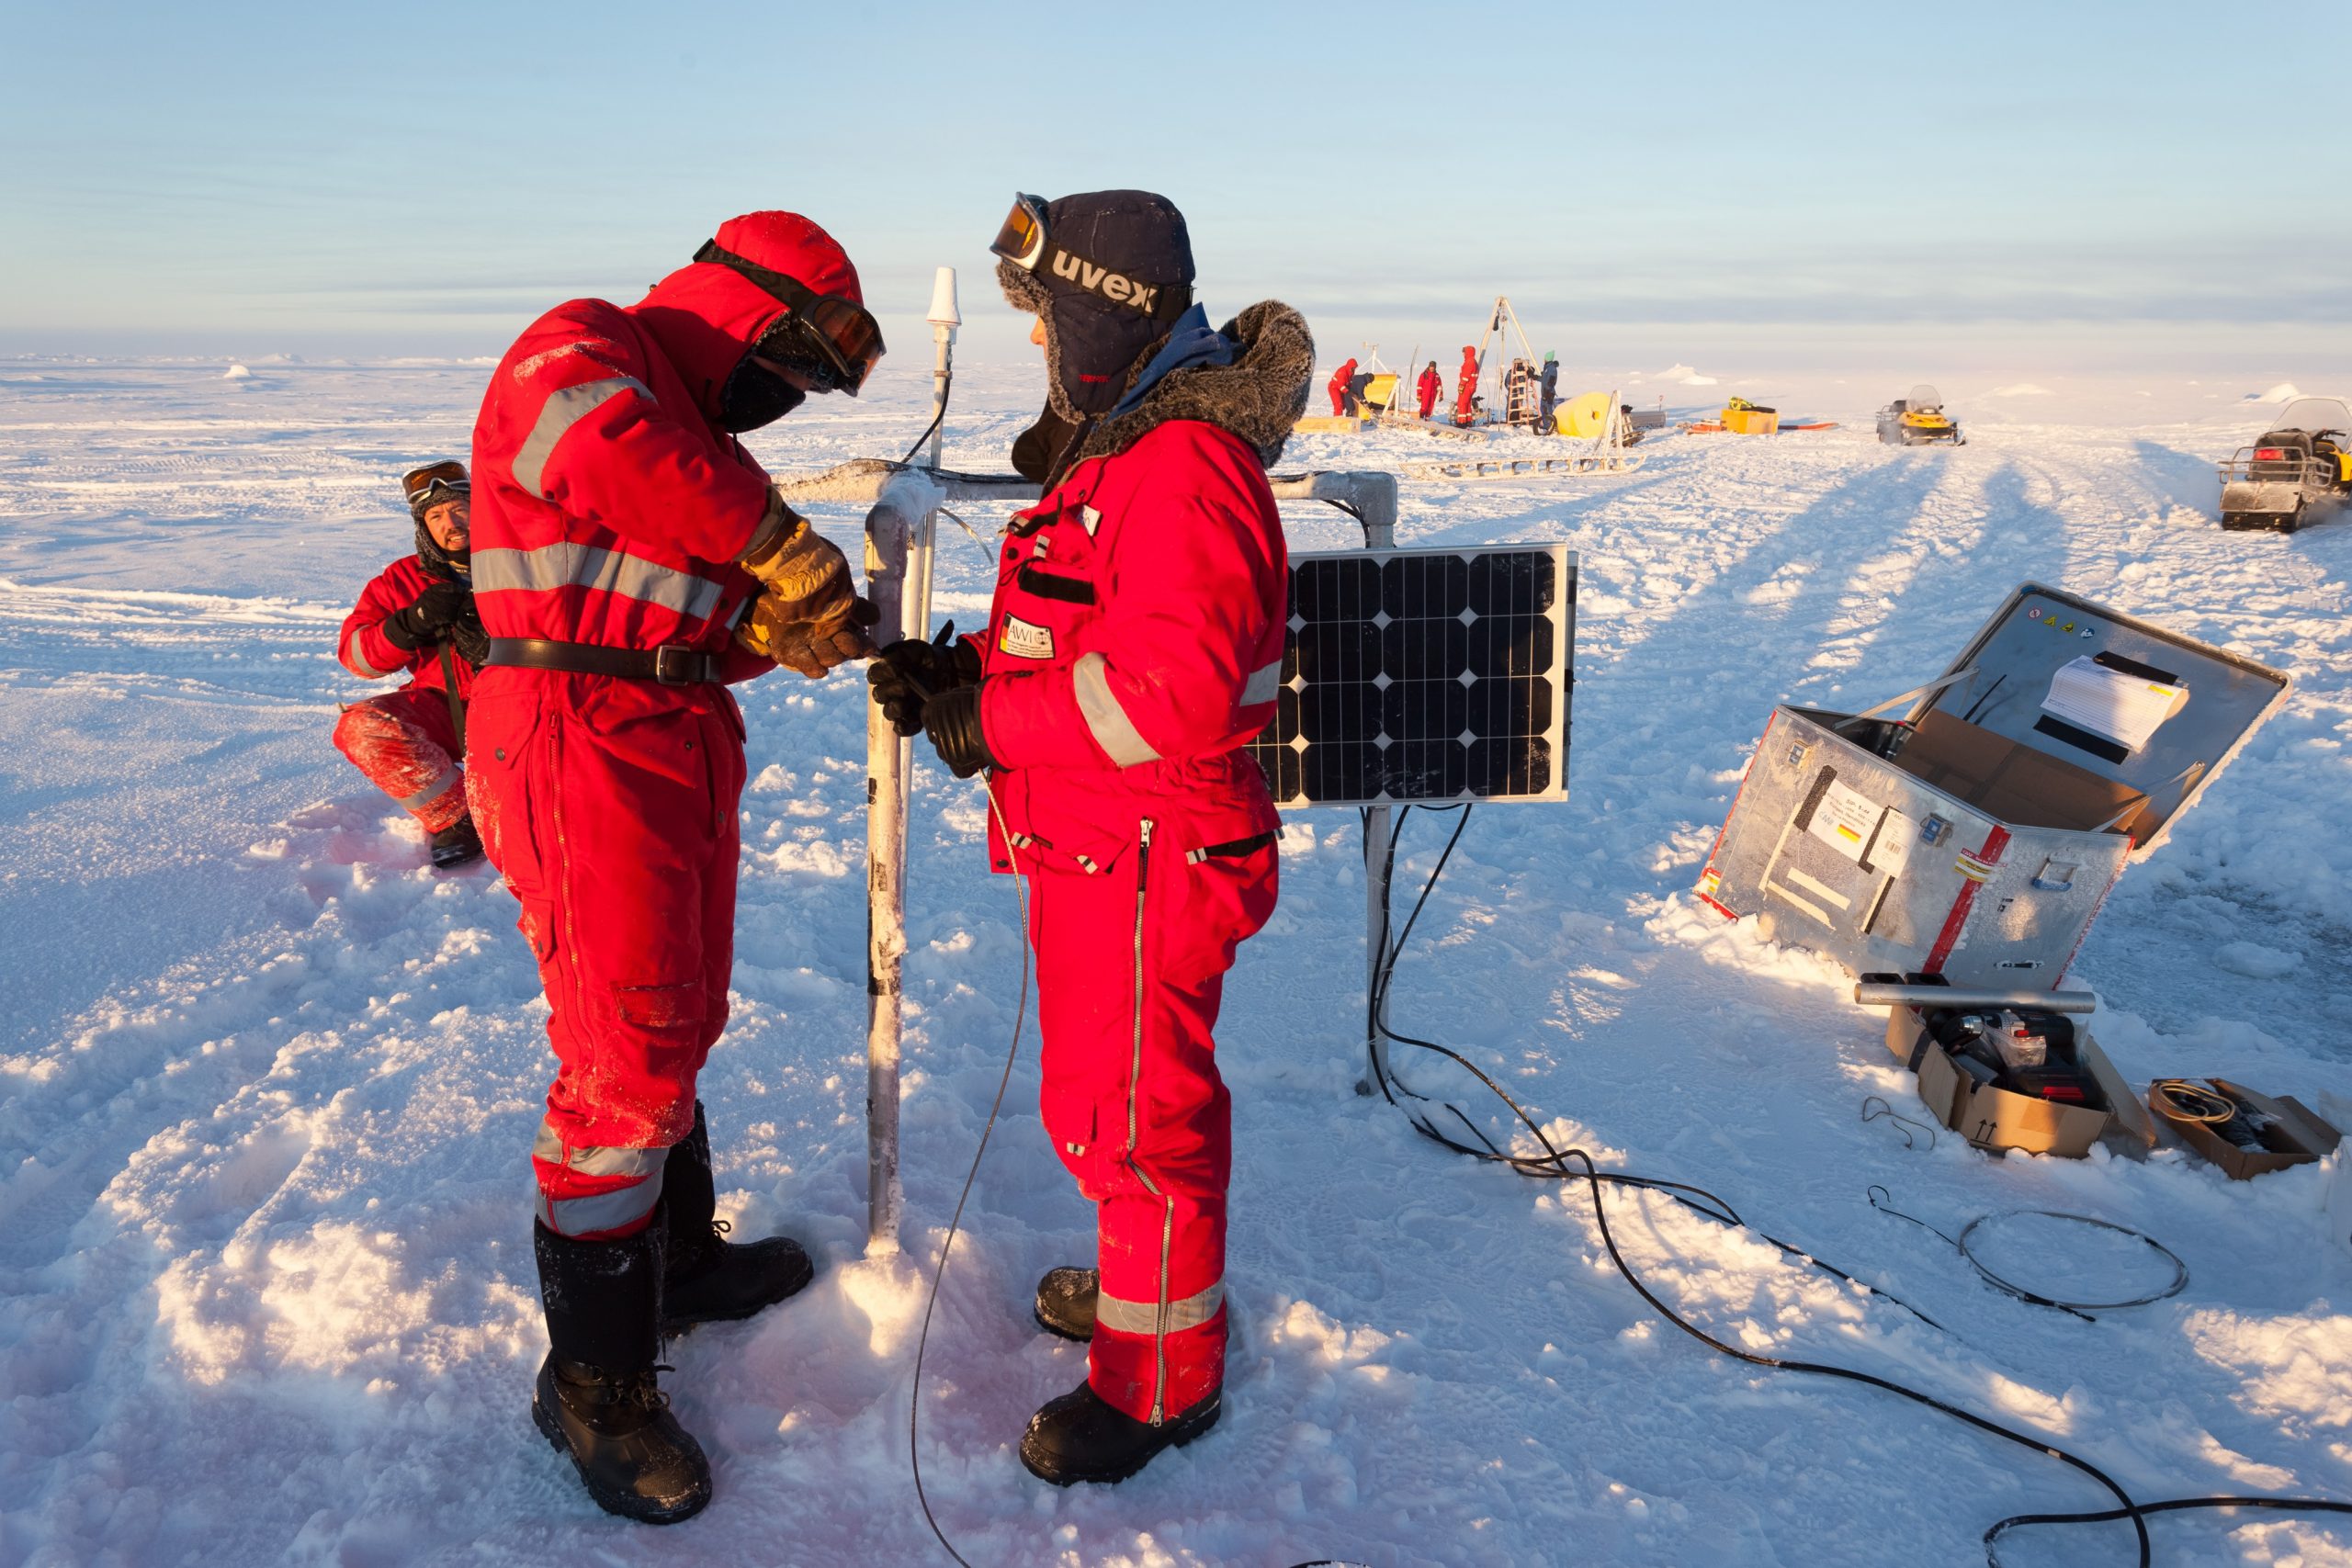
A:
x,y
1093,344
455,565
754,396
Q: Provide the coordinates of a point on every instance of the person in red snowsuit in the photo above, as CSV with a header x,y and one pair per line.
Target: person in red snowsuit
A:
x,y
417,618
1466,388
1342,382
630,558
1133,647
1430,388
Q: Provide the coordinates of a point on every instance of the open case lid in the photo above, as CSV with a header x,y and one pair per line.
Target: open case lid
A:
x,y
2106,693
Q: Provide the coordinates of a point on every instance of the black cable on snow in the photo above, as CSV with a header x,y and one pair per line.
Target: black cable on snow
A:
x,y
1553,1163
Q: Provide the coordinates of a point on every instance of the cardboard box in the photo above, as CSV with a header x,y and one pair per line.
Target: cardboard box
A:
x,y
2013,782
2296,1135
1995,1119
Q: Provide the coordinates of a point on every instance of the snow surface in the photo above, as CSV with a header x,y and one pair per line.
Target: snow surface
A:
x,y
269,1084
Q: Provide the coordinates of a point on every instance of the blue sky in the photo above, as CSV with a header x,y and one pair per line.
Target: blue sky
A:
x,y
422,179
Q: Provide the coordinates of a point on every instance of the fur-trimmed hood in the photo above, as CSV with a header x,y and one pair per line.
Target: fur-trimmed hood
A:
x,y
1258,396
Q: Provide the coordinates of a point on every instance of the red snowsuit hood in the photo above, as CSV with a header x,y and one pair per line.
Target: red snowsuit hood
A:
x,y
706,317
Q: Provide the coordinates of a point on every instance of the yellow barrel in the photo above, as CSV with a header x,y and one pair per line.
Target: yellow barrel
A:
x,y
1585,415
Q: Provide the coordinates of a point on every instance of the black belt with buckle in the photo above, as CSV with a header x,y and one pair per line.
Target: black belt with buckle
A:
x,y
668,666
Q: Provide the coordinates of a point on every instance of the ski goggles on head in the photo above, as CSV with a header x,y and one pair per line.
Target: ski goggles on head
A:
x,y
844,339
435,483
1023,240
1022,237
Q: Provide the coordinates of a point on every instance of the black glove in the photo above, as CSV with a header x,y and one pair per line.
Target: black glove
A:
x,y
911,672
952,720
430,617
466,635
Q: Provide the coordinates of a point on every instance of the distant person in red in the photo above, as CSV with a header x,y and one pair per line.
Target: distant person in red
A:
x,y
1465,389
417,618
1431,387
1339,381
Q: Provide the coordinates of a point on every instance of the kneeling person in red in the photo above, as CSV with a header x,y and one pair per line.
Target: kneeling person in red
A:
x,y
631,558
417,618
1133,647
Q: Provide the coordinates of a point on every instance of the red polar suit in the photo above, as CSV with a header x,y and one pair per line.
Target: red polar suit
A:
x,y
405,741
1134,646
1466,388
1430,386
610,508
1339,386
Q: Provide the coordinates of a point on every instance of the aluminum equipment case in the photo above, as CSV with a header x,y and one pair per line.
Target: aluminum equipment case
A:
x,y
1977,836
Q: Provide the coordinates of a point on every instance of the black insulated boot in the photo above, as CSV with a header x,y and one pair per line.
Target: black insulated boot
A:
x,y
457,844
1080,1437
710,1278
597,1400
1066,1302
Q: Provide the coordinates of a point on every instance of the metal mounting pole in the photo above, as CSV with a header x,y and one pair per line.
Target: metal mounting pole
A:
x,y
898,535
1376,504
945,319
887,531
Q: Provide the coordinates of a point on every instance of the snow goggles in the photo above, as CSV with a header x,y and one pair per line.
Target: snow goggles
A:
x,y
844,336
435,483
1022,240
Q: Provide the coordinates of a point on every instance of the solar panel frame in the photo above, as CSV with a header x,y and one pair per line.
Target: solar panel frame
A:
x,y
1390,650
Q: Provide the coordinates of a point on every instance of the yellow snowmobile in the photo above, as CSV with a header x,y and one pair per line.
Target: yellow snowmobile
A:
x,y
2299,473
1918,420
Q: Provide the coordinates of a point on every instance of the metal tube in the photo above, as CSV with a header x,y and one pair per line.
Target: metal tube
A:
x,y
1886,994
900,590
926,535
885,911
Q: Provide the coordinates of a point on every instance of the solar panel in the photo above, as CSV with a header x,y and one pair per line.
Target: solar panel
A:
x,y
1424,675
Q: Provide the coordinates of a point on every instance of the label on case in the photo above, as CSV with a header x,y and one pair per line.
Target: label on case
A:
x,y
1845,820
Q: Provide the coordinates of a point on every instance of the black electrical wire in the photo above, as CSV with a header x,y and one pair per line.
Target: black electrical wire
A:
x,y
946,384
1351,512
1553,1164
956,1222
2079,1309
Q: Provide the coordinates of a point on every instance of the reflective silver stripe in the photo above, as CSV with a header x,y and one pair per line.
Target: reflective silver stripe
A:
x,y
1143,1317
1262,684
560,412
1113,729
593,1161
567,565
357,660
447,780
604,1212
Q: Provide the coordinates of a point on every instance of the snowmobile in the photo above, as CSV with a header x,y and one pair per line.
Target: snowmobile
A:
x,y
2297,472
1918,420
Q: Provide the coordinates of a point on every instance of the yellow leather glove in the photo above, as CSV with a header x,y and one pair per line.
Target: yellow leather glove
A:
x,y
808,616
802,570
812,648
